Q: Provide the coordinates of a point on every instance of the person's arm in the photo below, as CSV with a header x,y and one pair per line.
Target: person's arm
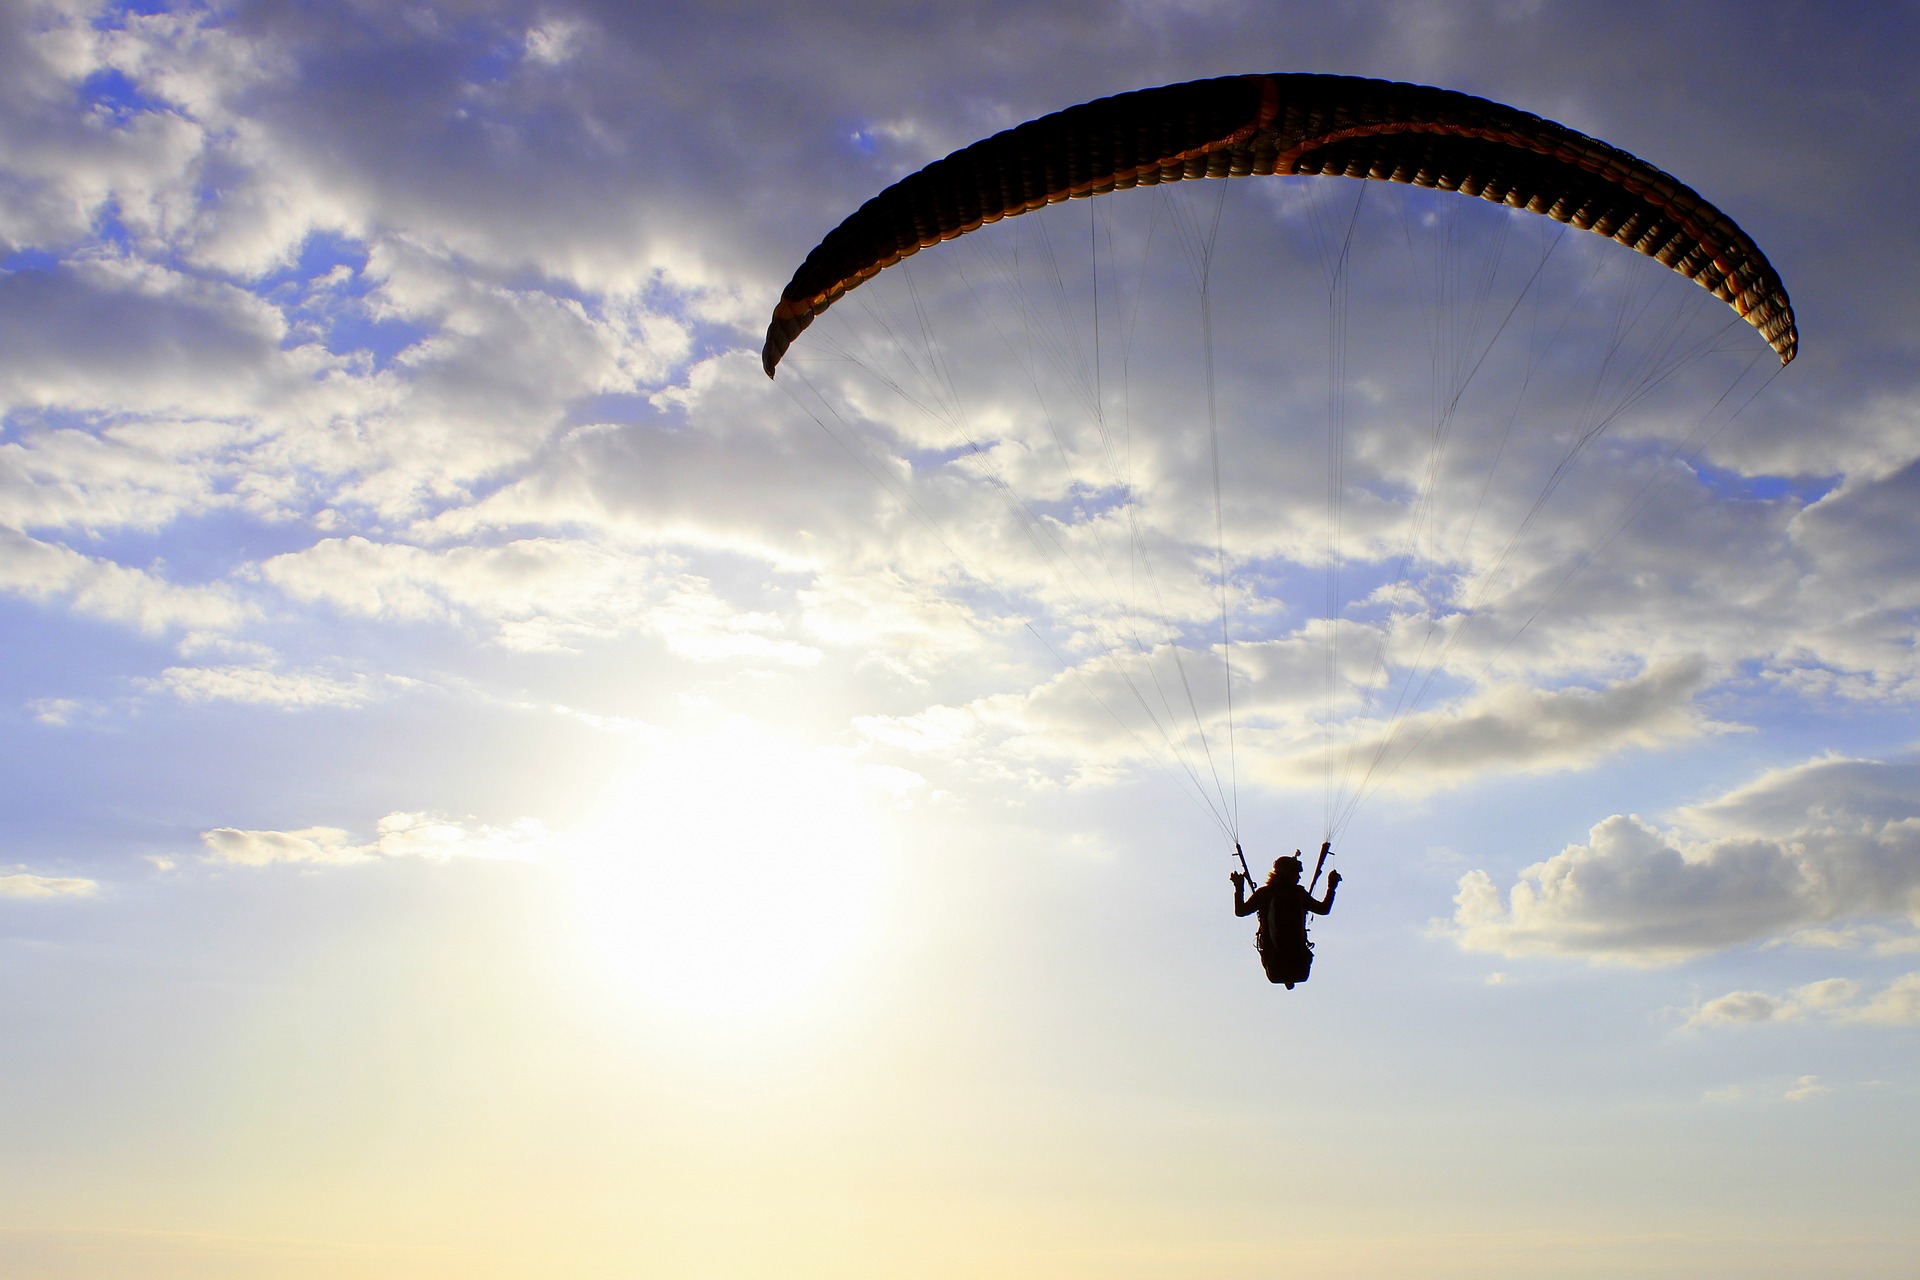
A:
x,y
1323,907
1241,907
1244,904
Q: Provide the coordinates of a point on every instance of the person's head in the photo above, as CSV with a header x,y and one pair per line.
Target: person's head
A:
x,y
1285,870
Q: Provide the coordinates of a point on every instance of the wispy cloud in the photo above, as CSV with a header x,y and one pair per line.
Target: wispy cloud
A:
x,y
1838,1000
265,686
95,587
1804,1088
535,595
398,835
25,884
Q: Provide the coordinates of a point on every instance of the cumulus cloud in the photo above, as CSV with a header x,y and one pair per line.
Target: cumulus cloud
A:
x,y
25,884
1828,842
398,835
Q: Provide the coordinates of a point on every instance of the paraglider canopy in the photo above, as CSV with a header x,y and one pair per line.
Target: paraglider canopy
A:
x,y
1341,126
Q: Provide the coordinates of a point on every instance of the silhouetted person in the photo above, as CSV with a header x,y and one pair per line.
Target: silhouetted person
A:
x,y
1283,904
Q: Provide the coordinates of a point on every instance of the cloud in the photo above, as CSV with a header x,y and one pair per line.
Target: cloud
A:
x,y
398,835
1830,841
1897,1004
99,588
1630,895
24,884
1804,1088
290,689
136,474
1834,1000
535,595
124,336
1829,997
1742,1007
1530,730
58,712
903,628
259,848
1124,708
64,165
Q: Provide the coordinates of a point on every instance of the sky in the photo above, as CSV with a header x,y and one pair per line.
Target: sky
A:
x,y
497,787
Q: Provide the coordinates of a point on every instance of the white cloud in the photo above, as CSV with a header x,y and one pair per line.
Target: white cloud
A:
x,y
259,848
1804,1088
24,884
291,689
554,40
903,628
137,474
58,712
99,588
397,835
64,165
1827,842
1629,894
1880,939
1827,994
1897,1004
1529,730
536,595
1742,1007
1830,997
113,334
1123,708
1833,1000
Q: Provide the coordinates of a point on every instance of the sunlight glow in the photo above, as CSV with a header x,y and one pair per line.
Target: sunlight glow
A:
x,y
731,873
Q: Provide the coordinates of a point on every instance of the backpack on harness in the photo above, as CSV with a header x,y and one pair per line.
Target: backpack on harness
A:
x,y
1287,961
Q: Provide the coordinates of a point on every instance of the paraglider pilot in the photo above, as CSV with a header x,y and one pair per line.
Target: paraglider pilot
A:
x,y
1283,904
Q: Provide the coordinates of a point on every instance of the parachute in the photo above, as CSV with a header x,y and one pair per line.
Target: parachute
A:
x,y
1391,613
1299,125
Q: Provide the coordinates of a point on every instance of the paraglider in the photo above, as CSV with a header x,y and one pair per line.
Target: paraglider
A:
x,y
1297,126
1286,952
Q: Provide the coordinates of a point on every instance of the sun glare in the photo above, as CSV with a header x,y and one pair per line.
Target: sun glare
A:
x,y
730,873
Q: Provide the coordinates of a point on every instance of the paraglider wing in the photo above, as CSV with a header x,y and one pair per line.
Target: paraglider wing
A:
x,y
1340,126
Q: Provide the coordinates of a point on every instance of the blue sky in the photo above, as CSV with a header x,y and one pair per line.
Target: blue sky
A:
x,y
498,788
